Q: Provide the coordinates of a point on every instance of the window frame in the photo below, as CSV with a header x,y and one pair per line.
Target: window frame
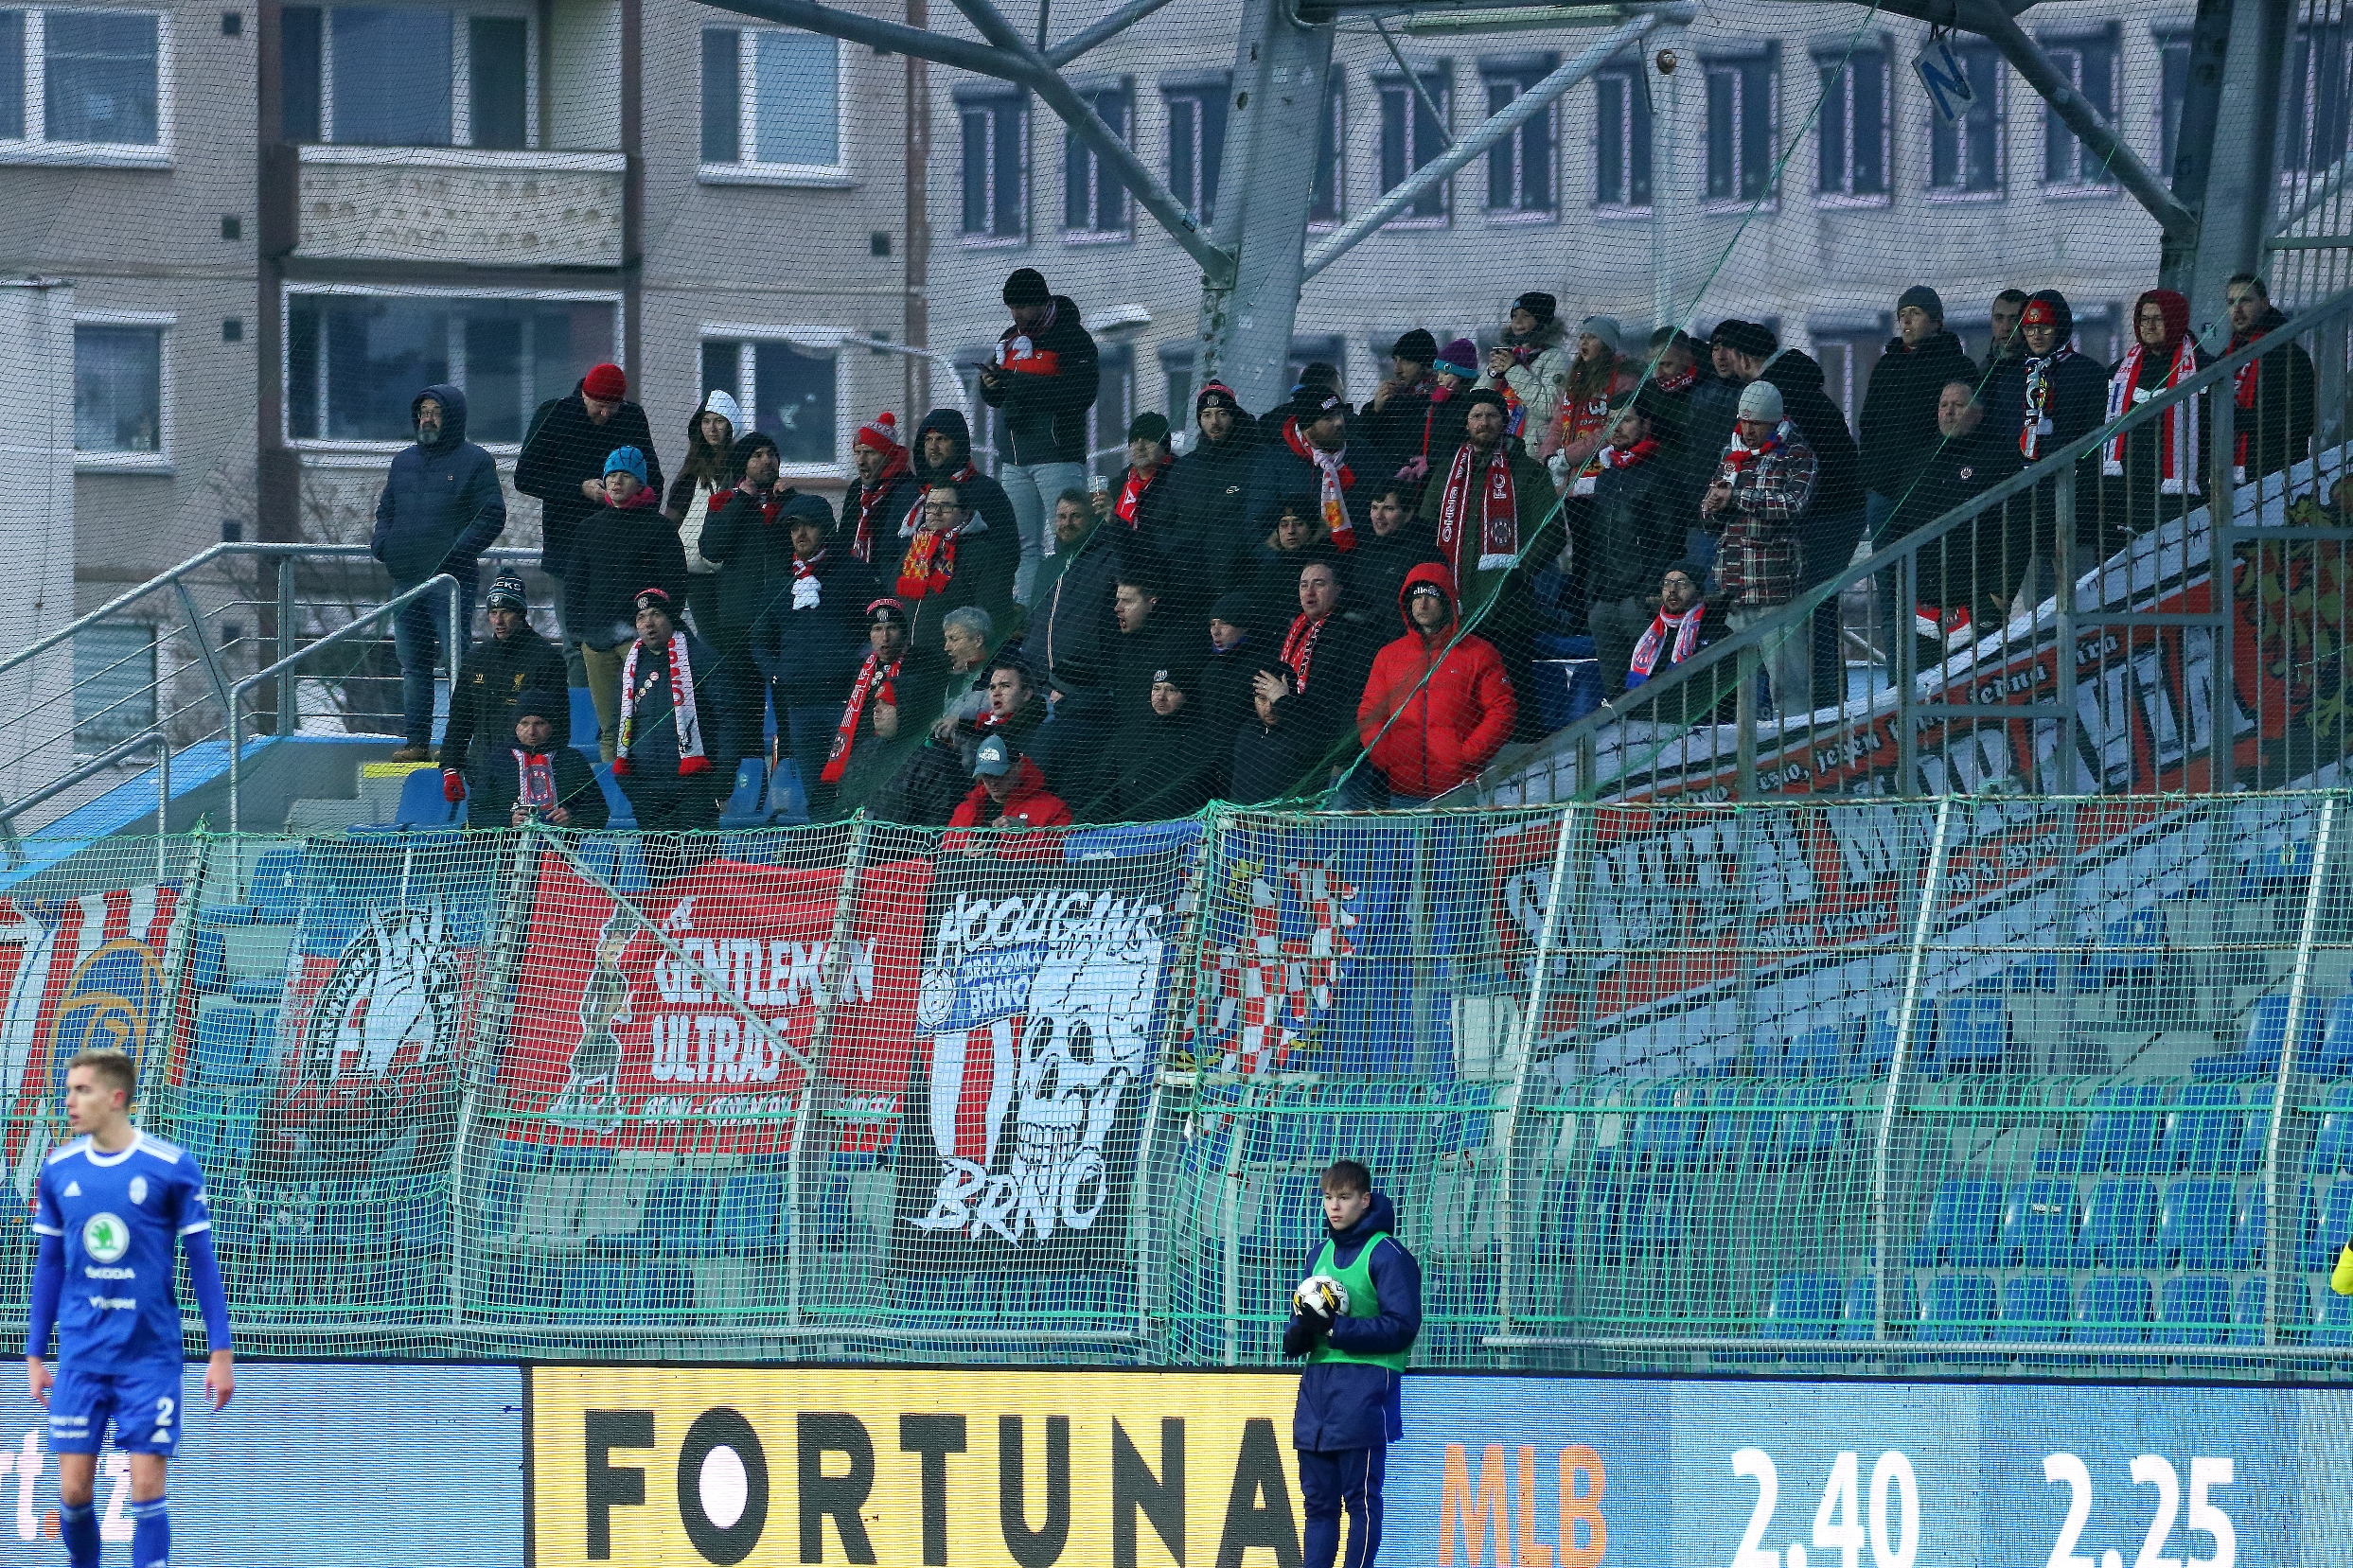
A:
x,y
2062,48
36,146
815,338
1335,121
159,461
1999,110
331,453
98,732
461,80
1630,76
1735,62
1198,92
1520,73
1385,82
1882,45
995,101
2167,41
747,169
2302,93
1074,149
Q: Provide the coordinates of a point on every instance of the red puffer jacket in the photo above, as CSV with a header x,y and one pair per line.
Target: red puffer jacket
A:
x,y
1031,805
1446,727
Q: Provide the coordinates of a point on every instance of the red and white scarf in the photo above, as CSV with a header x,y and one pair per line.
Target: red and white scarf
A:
x,y
808,586
2177,455
870,497
1299,648
1610,457
875,681
1515,410
1335,481
1686,627
1131,493
929,563
1498,516
535,781
914,519
1682,380
679,671
2244,388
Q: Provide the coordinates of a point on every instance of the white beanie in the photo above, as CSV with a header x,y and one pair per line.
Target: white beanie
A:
x,y
1760,400
725,407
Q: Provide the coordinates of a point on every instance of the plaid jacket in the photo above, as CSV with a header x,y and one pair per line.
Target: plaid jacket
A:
x,y
1760,560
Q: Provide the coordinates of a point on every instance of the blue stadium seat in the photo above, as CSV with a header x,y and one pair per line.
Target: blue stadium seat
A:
x,y
1971,1035
620,814
2247,1244
2332,1146
221,915
1859,1319
2267,1034
2035,1308
2207,1133
2317,1251
2197,1224
2120,1226
2247,1312
1669,1139
2124,1135
1879,1039
2272,869
2039,1225
422,804
1804,1306
1739,1133
1962,1219
507,1173
224,1047
1655,1217
747,805
788,795
276,888
2114,1311
2194,1309
208,961
2336,1040
1816,1053
1957,1307
748,1211
2336,1320
2127,952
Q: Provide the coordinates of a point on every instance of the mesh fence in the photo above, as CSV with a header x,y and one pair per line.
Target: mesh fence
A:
x,y
1767,1088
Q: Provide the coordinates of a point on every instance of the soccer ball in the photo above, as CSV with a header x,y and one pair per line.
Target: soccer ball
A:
x,y
1322,1294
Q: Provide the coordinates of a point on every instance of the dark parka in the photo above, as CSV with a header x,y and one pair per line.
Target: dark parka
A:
x,y
441,505
495,674
1044,414
564,449
1635,529
1205,534
1075,639
978,491
811,649
623,551
491,789
1899,423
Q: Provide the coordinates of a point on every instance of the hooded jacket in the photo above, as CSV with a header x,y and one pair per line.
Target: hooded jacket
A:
x,y
1345,1404
1899,422
441,504
750,538
1170,767
1282,473
563,450
1377,567
979,492
2140,505
1838,479
1204,534
1030,805
1051,381
1432,715
1076,635
810,641
623,551
1634,527
2078,386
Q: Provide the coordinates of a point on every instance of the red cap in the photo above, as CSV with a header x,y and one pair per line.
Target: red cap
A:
x,y
881,433
606,383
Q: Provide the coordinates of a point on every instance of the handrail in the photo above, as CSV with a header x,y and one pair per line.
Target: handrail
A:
x,y
1583,732
237,693
155,739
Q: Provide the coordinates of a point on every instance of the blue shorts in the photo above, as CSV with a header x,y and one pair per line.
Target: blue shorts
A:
x,y
142,1402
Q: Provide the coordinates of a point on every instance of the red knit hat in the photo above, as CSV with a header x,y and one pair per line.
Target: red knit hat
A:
x,y
881,433
606,383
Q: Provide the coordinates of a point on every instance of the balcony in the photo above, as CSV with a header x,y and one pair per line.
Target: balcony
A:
x,y
460,204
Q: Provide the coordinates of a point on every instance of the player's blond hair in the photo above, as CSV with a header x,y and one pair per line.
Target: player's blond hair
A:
x,y
112,1067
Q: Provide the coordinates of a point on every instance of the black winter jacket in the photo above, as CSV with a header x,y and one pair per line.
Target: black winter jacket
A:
x,y
1050,383
1899,423
495,673
978,491
441,504
623,551
749,540
2277,431
1203,536
1076,641
564,449
810,644
1634,529
492,786
1838,469
653,738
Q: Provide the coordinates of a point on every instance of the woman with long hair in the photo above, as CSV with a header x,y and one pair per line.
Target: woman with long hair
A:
x,y
708,470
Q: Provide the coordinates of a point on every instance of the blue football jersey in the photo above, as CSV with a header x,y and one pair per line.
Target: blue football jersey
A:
x,y
121,1216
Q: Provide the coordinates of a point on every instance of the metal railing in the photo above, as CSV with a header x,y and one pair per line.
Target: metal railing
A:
x,y
2115,561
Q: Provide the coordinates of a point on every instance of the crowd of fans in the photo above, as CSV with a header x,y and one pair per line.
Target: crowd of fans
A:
x,y
1285,605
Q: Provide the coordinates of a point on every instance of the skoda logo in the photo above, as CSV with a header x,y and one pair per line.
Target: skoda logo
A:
x,y
105,1238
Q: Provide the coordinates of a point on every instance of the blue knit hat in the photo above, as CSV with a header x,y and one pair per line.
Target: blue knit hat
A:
x,y
627,460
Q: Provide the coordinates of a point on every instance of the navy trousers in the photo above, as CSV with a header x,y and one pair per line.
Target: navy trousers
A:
x,y
1341,1481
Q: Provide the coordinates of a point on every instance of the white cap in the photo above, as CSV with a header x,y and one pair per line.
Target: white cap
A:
x,y
1760,400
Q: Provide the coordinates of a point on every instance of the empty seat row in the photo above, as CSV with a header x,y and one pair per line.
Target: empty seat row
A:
x,y
2153,1129
2194,1222
234,1045
1674,1126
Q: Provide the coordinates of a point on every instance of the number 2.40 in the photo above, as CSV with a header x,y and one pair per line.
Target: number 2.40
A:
x,y
2149,1469
1894,1533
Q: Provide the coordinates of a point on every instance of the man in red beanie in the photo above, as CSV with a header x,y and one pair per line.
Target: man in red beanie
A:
x,y
871,509
563,465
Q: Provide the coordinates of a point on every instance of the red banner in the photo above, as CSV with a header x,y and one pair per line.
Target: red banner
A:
x,y
616,1042
75,972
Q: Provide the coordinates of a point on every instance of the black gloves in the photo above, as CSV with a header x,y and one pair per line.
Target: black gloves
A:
x,y
1305,1331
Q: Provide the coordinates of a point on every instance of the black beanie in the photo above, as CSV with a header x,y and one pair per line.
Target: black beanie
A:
x,y
541,704
1233,608
1416,348
1027,286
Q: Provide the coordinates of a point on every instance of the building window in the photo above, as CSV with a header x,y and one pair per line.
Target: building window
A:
x,y
996,168
771,106
1852,132
2315,121
1327,202
1411,136
1621,138
2173,91
1196,145
789,390
2090,66
355,360
1094,200
118,389
1846,358
79,79
1522,168
1115,405
1965,155
382,76
113,684
1740,128
1177,376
